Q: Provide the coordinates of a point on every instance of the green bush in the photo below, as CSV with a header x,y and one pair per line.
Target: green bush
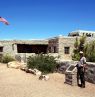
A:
x,y
44,63
7,58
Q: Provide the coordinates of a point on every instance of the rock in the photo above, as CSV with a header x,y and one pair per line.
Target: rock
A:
x,y
44,77
17,65
31,71
23,67
27,70
37,72
14,64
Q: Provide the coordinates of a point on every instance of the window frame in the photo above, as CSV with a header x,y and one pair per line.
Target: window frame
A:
x,y
67,50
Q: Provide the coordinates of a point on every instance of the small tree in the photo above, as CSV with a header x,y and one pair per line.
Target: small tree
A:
x,y
75,51
79,46
82,42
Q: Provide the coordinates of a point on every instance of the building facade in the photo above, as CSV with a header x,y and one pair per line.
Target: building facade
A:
x,y
61,46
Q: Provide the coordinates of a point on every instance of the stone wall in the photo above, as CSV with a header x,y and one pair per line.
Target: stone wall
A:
x,y
61,42
10,46
66,42
53,42
89,74
7,47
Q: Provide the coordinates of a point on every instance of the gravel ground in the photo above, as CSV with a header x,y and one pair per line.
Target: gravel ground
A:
x,y
17,83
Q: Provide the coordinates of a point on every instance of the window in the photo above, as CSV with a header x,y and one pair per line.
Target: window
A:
x,y
66,50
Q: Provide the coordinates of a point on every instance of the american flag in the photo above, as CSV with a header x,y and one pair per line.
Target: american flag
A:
x,y
4,21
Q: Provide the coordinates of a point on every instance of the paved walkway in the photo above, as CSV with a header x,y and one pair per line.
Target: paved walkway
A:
x,y
17,83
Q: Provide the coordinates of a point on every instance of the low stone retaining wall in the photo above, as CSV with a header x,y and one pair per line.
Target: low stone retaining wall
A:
x,y
89,74
62,66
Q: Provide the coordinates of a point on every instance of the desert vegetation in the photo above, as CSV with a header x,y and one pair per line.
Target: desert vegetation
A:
x,y
6,58
87,48
44,63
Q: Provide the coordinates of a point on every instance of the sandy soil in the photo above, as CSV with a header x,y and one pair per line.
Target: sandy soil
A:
x,y
17,83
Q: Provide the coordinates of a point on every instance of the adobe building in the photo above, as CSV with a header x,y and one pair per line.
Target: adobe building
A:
x,y
61,46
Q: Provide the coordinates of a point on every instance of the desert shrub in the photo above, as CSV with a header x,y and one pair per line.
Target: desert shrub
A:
x,y
44,63
7,58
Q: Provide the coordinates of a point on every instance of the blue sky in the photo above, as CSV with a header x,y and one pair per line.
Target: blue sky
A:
x,y
41,19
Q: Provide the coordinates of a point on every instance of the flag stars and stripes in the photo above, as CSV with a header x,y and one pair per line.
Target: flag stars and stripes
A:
x,y
4,21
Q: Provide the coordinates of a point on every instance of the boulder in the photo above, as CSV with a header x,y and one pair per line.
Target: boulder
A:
x,y
23,67
33,71
44,77
37,72
16,65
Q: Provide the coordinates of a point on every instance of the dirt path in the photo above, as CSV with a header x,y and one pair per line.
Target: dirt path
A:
x,y
16,83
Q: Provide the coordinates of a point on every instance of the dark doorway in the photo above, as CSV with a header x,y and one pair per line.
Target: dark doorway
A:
x,y
1,49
